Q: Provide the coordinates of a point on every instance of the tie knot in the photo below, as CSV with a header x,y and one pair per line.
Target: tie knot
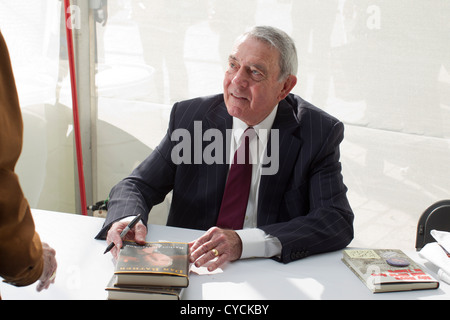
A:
x,y
249,133
242,155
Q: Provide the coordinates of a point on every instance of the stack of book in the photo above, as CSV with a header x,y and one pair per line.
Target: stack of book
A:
x,y
154,271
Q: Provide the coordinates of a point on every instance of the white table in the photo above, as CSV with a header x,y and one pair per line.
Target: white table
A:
x,y
83,270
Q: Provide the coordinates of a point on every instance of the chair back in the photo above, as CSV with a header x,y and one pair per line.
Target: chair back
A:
x,y
437,217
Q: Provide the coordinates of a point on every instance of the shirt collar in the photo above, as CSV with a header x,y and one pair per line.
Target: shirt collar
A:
x,y
240,126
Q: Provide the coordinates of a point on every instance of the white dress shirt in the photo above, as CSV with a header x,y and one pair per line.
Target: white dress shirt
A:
x,y
255,242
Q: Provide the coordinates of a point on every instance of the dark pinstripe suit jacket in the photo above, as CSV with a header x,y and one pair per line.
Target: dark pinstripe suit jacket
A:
x,y
304,204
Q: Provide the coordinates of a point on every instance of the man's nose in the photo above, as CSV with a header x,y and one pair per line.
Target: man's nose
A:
x,y
241,78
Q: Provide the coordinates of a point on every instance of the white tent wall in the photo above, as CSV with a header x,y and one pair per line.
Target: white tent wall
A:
x,y
382,67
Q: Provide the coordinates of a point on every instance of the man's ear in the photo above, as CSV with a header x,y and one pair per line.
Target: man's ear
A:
x,y
288,85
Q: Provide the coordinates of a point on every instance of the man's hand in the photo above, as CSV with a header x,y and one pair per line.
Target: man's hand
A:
x,y
50,265
136,234
226,245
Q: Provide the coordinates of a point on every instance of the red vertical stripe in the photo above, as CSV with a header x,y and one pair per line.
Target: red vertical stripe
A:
x,y
76,121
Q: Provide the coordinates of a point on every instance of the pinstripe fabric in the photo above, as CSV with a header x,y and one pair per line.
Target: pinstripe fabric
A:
x,y
304,204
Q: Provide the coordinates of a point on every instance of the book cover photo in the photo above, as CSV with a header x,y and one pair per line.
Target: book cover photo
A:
x,y
154,264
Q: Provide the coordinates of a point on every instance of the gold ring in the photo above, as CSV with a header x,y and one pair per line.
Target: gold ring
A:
x,y
215,252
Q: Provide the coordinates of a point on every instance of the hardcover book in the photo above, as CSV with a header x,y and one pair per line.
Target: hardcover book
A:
x,y
160,264
383,270
116,292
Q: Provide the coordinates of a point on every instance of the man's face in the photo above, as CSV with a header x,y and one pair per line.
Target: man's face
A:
x,y
251,85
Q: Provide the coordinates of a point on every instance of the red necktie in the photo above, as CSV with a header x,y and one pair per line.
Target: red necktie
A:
x,y
237,188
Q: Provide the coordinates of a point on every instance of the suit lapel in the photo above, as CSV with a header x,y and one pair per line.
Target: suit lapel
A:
x,y
272,187
218,119
213,176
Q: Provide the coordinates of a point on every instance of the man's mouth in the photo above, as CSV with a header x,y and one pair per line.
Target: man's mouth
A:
x,y
236,96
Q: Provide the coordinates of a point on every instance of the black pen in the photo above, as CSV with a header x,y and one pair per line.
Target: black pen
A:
x,y
124,232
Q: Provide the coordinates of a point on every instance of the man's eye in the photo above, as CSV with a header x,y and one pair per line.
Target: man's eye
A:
x,y
256,75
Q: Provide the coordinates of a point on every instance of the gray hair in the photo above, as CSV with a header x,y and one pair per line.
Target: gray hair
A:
x,y
282,42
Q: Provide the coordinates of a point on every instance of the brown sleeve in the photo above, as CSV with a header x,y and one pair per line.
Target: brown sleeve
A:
x,y
21,261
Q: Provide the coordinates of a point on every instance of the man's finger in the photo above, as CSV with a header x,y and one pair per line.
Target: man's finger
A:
x,y
199,247
221,261
211,252
140,233
203,239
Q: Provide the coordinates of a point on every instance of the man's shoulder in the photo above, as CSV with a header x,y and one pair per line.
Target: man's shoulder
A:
x,y
304,109
201,102
185,113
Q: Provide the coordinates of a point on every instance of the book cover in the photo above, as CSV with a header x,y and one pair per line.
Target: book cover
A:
x,y
153,264
385,270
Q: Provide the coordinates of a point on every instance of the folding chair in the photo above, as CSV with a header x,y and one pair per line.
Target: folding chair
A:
x,y
437,217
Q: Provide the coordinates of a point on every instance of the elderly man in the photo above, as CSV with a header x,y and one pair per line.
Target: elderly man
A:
x,y
295,201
